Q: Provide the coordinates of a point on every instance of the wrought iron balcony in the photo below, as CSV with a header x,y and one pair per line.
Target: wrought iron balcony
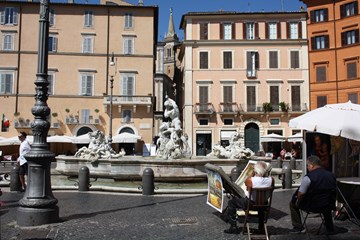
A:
x,y
299,107
251,108
251,73
228,109
204,109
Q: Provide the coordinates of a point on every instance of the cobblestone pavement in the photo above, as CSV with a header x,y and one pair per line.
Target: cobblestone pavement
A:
x,y
95,215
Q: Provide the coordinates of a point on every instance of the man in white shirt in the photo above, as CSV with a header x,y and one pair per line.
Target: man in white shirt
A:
x,y
258,180
24,149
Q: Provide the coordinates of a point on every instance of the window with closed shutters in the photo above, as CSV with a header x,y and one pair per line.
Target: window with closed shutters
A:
x,y
87,81
203,97
6,83
353,97
127,85
274,97
251,98
204,60
8,42
88,19
52,43
203,31
351,68
128,45
294,30
273,59
52,17
51,83
227,98
321,101
294,59
227,60
128,20
88,42
321,73
295,98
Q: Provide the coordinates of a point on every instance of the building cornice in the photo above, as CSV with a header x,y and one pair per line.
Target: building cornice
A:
x,y
260,42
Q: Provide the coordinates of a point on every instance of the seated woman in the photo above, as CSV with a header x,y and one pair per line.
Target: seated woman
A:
x,y
258,180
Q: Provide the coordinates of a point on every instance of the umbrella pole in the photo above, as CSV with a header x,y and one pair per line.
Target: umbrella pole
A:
x,y
304,154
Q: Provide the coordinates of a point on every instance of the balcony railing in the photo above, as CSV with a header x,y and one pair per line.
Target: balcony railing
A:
x,y
251,73
259,108
204,108
129,100
251,108
228,109
299,107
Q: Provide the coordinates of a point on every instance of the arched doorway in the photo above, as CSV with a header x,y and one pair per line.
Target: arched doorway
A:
x,y
129,148
252,136
83,130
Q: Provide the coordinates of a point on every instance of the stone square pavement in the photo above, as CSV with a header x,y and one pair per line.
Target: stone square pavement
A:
x,y
102,215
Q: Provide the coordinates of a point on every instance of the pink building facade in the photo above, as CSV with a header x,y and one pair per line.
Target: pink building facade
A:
x,y
245,72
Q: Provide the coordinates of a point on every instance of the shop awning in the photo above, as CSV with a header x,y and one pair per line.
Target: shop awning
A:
x,y
295,138
272,137
226,135
125,138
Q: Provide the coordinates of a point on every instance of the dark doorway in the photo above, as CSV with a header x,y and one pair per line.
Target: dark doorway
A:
x,y
203,144
252,137
129,148
82,131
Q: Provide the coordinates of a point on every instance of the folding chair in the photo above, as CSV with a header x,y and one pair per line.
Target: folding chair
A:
x,y
260,201
306,217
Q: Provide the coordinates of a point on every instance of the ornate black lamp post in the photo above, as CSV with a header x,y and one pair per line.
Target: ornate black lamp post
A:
x,y
112,64
38,206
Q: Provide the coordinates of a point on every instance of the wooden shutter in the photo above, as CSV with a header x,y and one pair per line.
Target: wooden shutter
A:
x,y
256,26
357,36
83,84
313,43
2,15
295,98
320,73
267,30
15,16
221,31
227,61
273,59
89,83
351,70
274,96
343,39
203,94
202,31
248,61
204,60
294,56
257,61
130,86
321,101
287,30
233,31
244,30
356,8
300,30
251,98
327,43
353,97
312,16
278,28
326,14
227,94
342,11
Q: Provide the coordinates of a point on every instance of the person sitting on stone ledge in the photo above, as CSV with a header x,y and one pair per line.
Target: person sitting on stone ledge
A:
x,y
317,193
258,180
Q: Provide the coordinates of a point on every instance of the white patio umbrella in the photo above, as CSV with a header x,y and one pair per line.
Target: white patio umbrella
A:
x,y
15,141
297,137
82,139
272,137
334,119
59,139
125,138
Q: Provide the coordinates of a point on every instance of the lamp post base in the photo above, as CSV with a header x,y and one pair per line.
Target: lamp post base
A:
x,y
37,216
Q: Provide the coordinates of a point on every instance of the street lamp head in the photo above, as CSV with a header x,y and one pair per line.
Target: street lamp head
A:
x,y
112,61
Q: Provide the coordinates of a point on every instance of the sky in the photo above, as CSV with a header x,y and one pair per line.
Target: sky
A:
x,y
181,7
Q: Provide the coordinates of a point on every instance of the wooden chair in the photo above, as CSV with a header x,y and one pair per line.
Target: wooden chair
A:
x,y
259,200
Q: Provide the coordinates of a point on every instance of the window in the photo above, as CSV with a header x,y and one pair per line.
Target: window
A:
x,y
126,115
204,60
273,34
85,116
295,98
250,31
320,42
6,83
350,37
52,43
294,30
88,19
203,98
251,98
275,121
227,98
87,82
227,60
228,121
128,45
88,42
203,121
274,97
127,85
8,15
128,20
51,83
51,17
227,31
351,68
353,97
204,31
321,73
321,101
349,9
8,42
252,59
294,59
320,15
273,59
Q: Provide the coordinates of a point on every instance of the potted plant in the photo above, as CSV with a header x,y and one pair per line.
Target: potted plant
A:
x,y
284,106
67,110
267,107
54,114
16,114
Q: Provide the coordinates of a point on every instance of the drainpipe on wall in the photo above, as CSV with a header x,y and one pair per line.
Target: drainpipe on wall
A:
x,y
18,64
336,63
107,52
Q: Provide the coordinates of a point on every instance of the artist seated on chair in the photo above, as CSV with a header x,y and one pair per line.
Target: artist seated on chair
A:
x,y
316,193
258,180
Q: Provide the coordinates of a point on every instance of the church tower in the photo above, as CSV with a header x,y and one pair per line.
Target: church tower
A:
x,y
171,39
